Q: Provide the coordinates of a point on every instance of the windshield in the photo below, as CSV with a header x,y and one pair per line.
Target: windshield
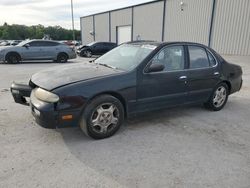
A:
x,y
23,43
126,57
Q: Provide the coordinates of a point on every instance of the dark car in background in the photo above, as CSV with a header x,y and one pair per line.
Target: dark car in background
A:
x,y
95,48
130,79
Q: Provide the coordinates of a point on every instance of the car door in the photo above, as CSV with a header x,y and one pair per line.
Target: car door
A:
x,y
107,47
32,51
203,73
165,88
48,49
99,48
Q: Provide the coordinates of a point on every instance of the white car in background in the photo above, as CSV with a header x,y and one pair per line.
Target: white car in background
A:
x,y
37,50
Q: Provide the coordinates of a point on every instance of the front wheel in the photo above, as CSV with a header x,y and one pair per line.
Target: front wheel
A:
x,y
88,53
219,97
102,117
13,58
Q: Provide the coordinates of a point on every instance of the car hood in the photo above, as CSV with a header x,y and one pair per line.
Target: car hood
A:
x,y
81,47
55,77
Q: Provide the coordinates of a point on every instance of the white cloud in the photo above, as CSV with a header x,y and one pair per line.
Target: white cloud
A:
x,y
55,12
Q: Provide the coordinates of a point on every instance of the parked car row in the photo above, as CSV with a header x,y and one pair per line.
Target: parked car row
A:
x,y
10,42
132,78
71,43
50,50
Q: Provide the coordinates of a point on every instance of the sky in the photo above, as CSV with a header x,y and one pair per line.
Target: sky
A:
x,y
55,12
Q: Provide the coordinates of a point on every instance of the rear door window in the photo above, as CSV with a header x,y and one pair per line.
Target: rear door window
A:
x,y
197,57
211,59
48,43
35,44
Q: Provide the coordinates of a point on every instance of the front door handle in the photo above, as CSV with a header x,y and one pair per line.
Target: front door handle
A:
x,y
183,78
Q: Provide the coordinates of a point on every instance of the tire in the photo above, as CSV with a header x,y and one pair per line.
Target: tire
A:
x,y
219,97
62,58
13,58
82,54
102,117
88,53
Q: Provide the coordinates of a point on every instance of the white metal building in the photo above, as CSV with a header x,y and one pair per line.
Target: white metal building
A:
x,y
222,24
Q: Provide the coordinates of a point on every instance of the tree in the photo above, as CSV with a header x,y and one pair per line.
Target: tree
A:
x,y
22,32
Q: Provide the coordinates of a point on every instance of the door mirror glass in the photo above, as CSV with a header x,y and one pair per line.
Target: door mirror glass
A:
x,y
155,67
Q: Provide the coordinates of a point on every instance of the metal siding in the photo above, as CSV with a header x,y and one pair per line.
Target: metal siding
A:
x,y
102,27
231,30
119,18
87,26
148,21
192,24
81,26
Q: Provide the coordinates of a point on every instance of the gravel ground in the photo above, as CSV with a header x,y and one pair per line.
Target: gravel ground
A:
x,y
180,147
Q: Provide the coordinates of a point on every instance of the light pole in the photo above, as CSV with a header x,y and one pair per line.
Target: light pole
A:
x,y
72,15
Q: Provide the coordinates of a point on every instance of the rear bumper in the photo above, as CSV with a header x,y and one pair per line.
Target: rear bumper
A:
x,y
72,55
240,85
236,85
1,57
20,92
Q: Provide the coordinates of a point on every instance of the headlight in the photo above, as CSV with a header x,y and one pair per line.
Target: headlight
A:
x,y
45,96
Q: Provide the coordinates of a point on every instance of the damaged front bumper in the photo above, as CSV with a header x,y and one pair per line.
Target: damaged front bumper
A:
x,y
20,92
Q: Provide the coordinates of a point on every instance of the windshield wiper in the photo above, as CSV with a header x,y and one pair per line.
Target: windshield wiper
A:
x,y
106,65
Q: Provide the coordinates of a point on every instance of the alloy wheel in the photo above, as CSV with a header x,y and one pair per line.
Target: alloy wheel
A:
x,y
220,96
88,53
104,118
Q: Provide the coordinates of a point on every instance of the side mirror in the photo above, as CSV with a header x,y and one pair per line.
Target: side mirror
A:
x,y
155,67
26,45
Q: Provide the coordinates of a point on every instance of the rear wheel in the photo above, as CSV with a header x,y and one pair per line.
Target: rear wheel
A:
x,y
102,117
13,58
219,97
62,58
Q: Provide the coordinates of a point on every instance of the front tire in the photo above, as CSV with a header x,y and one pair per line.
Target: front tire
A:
x,y
13,58
88,53
218,98
102,117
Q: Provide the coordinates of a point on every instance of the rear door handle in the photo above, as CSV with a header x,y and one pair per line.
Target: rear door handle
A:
x,y
216,73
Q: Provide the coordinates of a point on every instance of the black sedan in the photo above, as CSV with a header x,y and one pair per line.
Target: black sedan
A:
x,y
95,48
133,78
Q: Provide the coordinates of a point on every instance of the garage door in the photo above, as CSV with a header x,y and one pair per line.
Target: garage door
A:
x,y
123,34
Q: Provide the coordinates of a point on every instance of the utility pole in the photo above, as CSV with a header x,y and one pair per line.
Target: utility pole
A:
x,y
72,14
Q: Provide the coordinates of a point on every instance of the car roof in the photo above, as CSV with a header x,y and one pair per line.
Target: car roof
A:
x,y
155,43
38,40
144,42
105,42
